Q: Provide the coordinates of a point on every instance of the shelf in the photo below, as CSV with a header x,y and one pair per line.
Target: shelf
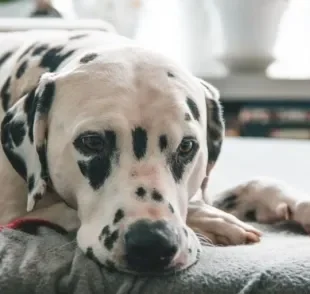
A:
x,y
258,87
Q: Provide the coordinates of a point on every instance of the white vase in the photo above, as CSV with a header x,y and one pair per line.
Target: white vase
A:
x,y
249,29
124,15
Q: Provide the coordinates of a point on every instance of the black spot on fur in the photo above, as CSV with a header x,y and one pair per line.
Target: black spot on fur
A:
x,y
88,57
5,57
163,142
30,183
41,150
53,58
105,232
119,215
139,142
37,197
156,196
170,74
79,36
26,52
187,117
228,203
30,108
5,94
189,250
250,215
18,132
98,168
178,164
111,239
171,208
45,100
21,69
141,192
193,108
40,49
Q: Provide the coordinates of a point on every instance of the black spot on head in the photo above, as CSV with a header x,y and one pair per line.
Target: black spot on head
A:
x,y
53,58
187,117
30,183
170,74
79,36
5,94
163,142
193,108
18,132
98,168
105,232
189,250
4,57
40,49
119,215
88,57
27,50
21,69
46,98
141,192
139,142
111,239
250,215
156,196
171,208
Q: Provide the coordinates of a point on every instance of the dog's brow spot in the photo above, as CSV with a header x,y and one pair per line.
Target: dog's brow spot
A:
x,y
139,142
21,69
163,142
156,196
193,108
4,57
170,74
105,231
141,192
88,57
119,215
111,239
187,117
185,232
171,208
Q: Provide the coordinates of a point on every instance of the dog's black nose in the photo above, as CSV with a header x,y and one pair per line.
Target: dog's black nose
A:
x,y
150,246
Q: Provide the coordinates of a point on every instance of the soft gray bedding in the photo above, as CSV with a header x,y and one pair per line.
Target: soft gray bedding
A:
x,y
42,260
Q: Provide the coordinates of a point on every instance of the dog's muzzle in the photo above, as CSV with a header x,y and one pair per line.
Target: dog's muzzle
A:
x,y
150,245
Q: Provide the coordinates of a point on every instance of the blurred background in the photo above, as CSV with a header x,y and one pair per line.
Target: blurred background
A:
x,y
256,52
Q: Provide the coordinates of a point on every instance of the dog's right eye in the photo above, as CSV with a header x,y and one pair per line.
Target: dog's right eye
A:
x,y
90,143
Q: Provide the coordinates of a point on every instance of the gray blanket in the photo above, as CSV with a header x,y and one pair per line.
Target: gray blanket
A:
x,y
41,259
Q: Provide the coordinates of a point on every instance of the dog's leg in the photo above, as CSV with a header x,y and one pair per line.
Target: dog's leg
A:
x,y
266,201
219,227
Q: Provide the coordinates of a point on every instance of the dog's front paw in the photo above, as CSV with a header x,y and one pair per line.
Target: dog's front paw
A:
x,y
220,227
301,215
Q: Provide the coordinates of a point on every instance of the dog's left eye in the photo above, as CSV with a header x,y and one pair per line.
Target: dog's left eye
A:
x,y
186,146
93,143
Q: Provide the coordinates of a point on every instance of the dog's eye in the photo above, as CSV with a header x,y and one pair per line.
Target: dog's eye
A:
x,y
93,143
186,146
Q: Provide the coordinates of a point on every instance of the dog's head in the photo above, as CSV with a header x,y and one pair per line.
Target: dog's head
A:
x,y
127,138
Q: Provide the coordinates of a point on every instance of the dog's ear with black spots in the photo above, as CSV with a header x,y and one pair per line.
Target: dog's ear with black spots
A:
x,y
24,135
215,129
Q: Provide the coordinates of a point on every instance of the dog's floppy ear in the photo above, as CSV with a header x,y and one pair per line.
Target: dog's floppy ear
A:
x,y
215,128
23,137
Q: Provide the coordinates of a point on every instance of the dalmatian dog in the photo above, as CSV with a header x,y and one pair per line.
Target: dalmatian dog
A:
x,y
117,141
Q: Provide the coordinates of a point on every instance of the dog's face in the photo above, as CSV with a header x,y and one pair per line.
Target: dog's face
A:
x,y
128,145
